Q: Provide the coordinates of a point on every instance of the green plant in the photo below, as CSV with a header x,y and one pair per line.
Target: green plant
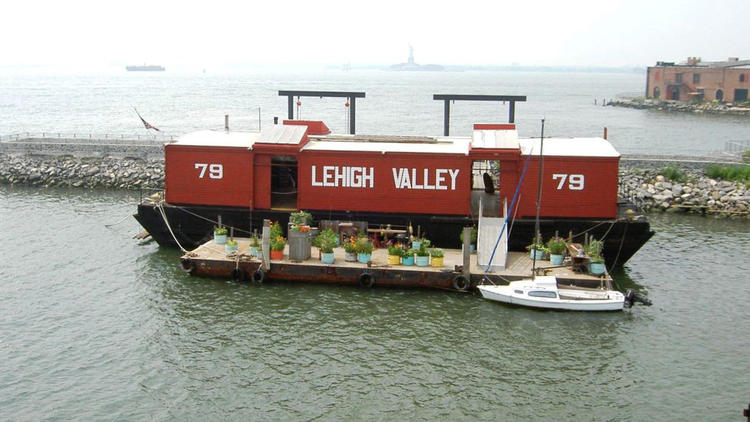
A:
x,y
300,218
327,244
254,241
351,245
276,230
278,243
410,252
746,156
436,253
473,236
231,243
538,246
556,245
423,248
739,173
396,250
324,236
364,245
595,251
220,231
673,173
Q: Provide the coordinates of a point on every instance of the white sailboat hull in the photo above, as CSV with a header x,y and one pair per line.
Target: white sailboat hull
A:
x,y
543,293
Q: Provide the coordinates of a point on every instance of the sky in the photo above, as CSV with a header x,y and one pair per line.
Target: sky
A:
x,y
220,33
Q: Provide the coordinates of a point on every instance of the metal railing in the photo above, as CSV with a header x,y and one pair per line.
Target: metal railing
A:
x,y
59,136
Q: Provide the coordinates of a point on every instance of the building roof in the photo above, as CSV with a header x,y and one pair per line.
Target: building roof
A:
x,y
569,147
218,138
385,144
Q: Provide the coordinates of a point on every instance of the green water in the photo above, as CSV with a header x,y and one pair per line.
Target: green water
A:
x,y
97,326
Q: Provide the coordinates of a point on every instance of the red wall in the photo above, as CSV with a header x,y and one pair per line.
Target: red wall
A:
x,y
383,196
598,198
184,185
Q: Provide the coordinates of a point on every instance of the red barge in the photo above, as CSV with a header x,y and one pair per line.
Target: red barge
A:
x,y
435,184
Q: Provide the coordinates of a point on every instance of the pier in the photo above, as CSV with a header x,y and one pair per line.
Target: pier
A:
x,y
211,260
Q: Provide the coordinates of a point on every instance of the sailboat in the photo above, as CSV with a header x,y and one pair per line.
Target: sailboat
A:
x,y
544,291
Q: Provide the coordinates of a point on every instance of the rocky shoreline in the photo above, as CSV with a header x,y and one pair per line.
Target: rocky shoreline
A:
x,y
640,181
680,106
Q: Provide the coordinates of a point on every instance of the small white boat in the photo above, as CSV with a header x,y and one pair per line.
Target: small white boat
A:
x,y
543,292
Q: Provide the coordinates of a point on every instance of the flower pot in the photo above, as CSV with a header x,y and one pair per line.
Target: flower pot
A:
x,y
277,255
255,251
364,257
416,244
597,268
220,239
326,257
394,259
472,248
539,254
350,257
437,262
230,248
422,261
408,260
556,259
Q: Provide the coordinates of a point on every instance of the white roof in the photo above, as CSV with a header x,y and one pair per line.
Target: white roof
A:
x,y
434,145
218,138
569,147
282,134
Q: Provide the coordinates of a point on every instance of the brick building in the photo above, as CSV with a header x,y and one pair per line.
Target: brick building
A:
x,y
727,81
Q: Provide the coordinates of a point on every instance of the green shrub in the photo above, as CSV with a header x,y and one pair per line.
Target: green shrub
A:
x,y
673,173
738,173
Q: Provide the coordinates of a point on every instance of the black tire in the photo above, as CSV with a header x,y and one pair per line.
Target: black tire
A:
x,y
366,280
259,276
238,274
461,283
187,265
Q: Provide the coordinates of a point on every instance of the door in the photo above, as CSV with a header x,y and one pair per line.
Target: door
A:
x,y
284,182
740,95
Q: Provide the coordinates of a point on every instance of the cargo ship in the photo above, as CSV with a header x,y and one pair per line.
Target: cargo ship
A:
x,y
145,68
434,185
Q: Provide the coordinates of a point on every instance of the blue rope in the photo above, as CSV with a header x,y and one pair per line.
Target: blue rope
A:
x,y
510,210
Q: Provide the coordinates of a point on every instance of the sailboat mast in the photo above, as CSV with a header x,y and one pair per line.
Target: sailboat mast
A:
x,y
537,239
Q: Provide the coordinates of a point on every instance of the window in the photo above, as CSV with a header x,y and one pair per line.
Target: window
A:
x,y
696,78
656,92
742,77
720,95
678,78
542,293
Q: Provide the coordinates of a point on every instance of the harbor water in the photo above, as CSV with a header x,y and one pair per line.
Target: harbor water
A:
x,y
95,325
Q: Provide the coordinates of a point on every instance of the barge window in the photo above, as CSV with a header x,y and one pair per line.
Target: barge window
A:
x,y
542,293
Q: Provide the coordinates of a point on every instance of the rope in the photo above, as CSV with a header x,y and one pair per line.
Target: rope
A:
x,y
214,222
595,226
114,224
160,205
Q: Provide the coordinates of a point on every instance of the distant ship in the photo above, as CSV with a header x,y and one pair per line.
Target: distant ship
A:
x,y
145,68
411,65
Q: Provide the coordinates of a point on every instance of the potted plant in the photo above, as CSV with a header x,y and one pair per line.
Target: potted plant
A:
x,y
364,249
472,241
350,250
255,248
277,247
408,257
537,249
300,218
231,245
423,254
395,252
327,243
595,252
220,235
416,242
556,246
437,257
326,235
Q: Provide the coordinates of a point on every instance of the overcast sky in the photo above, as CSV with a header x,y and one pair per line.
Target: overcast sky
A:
x,y
218,33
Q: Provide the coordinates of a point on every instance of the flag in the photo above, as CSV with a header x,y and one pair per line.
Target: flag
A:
x,y
145,123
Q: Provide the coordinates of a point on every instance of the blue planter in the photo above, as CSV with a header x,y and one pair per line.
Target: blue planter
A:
x,y
597,268
326,258
556,259
220,239
416,244
363,257
230,248
539,254
423,261
255,251
407,260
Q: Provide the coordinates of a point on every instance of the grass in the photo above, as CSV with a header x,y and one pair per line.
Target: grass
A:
x,y
673,173
739,173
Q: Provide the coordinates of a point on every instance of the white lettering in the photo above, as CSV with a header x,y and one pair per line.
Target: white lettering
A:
x,y
575,181
440,179
345,176
215,171
315,182
454,176
327,176
427,184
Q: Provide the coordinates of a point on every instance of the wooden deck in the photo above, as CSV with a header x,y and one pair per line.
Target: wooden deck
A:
x,y
211,259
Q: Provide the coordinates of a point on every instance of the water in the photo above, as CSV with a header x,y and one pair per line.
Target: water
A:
x,y
95,325
396,103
